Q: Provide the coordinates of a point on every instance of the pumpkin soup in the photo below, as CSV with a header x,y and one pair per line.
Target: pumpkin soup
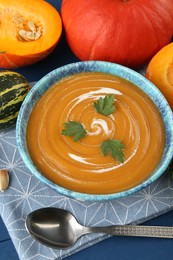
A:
x,y
81,165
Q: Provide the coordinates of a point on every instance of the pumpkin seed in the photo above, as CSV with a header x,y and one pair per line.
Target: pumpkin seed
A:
x,y
31,35
32,26
4,180
22,33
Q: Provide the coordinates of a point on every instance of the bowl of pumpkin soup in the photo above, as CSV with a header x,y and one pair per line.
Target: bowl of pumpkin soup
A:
x,y
95,131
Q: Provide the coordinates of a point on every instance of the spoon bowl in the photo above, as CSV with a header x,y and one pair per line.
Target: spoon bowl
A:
x,y
54,227
58,228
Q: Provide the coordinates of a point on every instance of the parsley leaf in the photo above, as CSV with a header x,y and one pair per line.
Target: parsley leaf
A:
x,y
114,147
75,129
105,105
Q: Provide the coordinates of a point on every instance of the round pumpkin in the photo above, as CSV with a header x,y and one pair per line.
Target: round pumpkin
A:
x,y
13,89
30,30
160,72
128,32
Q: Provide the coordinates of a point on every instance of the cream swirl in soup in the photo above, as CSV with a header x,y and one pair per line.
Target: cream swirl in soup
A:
x,y
81,166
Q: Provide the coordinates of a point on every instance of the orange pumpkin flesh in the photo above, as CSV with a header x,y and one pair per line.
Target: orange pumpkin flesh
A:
x,y
15,16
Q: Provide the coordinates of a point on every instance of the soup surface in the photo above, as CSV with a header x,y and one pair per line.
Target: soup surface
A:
x,y
81,165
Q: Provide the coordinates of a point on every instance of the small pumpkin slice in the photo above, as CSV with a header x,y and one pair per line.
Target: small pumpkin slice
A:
x,y
30,30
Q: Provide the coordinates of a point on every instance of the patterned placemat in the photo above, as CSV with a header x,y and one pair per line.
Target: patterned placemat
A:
x,y
26,194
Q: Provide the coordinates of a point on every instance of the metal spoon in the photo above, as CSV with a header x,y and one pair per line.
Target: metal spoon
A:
x,y
58,228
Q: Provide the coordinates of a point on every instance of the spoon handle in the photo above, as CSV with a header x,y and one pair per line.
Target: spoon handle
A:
x,y
139,231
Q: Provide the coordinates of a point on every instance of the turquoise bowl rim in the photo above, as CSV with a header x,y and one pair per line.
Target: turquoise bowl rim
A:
x,y
101,66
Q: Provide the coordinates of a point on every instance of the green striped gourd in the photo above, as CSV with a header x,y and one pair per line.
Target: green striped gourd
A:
x,y
13,89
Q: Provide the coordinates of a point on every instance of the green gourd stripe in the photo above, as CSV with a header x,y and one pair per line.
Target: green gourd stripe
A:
x,y
10,110
12,96
10,80
8,119
8,124
10,73
7,72
13,87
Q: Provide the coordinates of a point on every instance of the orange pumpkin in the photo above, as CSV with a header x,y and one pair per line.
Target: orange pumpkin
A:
x,y
160,72
30,30
128,32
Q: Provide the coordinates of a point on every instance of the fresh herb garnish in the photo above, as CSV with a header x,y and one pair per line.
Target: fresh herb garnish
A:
x,y
114,148
105,105
75,129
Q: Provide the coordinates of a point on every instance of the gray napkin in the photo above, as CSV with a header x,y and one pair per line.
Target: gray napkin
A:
x,y
26,194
